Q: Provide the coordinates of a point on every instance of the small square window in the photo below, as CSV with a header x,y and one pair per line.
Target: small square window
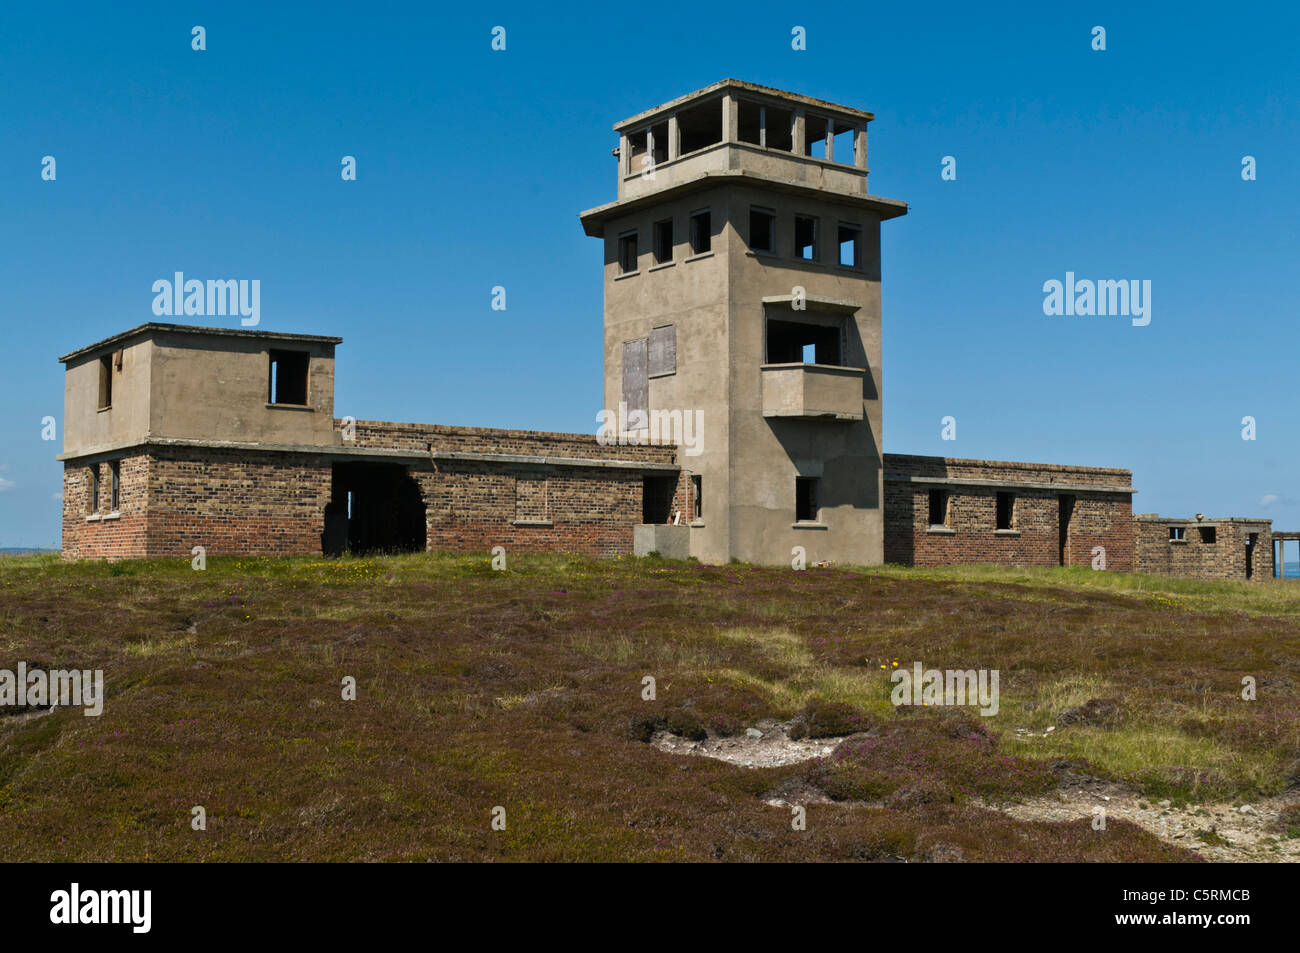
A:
x,y
805,499
114,485
701,232
1209,535
627,253
850,242
762,230
664,241
106,382
1006,510
1177,534
938,507
805,238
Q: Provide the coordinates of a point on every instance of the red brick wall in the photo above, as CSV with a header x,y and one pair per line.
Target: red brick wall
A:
x,y
91,532
1098,519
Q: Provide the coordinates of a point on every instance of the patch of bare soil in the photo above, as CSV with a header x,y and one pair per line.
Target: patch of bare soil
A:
x,y
1218,832
766,745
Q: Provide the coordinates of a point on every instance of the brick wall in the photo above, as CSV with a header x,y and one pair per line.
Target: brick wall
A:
x,y
92,529
1197,557
970,534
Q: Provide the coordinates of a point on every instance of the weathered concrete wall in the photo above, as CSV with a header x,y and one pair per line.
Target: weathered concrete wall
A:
x,y
85,424
1197,558
970,533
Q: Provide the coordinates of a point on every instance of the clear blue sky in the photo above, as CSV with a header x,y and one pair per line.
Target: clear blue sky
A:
x,y
473,165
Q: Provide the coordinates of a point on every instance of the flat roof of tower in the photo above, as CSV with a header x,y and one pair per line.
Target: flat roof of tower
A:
x,y
748,87
154,326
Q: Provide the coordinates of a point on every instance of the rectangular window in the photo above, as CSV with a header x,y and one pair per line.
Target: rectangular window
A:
x,y
805,499
1209,535
793,342
778,129
938,507
288,377
663,241
697,496
659,143
638,155
749,124
105,381
850,242
805,238
701,232
92,501
762,230
657,499
636,383
627,253
114,485
814,132
1177,534
700,126
1006,510
842,137
663,351
531,498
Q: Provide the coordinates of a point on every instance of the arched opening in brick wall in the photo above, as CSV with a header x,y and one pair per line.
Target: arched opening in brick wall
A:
x,y
373,508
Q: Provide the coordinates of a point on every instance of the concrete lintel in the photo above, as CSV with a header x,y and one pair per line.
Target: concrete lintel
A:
x,y
821,301
1012,484
545,461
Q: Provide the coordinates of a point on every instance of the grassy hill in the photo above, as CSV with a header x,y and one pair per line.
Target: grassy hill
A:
x,y
479,689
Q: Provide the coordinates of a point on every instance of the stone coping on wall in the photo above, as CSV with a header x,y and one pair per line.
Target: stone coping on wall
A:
x,y
1014,484
160,327
1207,521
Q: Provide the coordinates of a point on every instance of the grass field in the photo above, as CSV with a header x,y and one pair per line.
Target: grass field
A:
x,y
522,689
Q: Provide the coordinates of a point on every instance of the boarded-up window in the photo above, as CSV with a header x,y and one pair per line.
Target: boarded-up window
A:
x,y
531,503
663,350
636,382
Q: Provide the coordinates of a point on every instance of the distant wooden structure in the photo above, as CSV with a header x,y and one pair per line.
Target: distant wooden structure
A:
x,y
1279,551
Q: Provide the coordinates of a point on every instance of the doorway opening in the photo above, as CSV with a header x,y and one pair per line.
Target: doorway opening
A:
x,y
1251,540
373,508
1066,512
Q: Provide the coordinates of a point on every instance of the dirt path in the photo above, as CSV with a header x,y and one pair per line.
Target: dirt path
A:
x,y
1218,832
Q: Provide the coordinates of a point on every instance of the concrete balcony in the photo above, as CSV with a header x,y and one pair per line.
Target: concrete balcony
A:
x,y
812,391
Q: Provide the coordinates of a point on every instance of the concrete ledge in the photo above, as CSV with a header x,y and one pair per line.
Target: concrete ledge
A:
x,y
552,461
1014,484
331,450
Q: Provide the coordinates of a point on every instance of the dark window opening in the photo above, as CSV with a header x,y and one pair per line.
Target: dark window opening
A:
x,y
1251,540
1065,513
850,242
657,498
289,377
697,497
701,233
92,503
663,241
938,507
700,126
814,132
374,507
805,238
114,485
750,122
779,129
627,253
805,499
637,152
1006,510
105,381
787,342
659,137
1209,534
762,230
1177,534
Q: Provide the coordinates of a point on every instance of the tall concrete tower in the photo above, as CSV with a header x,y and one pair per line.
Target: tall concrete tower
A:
x,y
742,289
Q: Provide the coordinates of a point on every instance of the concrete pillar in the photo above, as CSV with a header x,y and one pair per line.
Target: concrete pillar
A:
x,y
860,147
674,144
800,130
730,119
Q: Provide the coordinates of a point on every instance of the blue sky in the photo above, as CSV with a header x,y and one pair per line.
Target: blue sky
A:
x,y
473,164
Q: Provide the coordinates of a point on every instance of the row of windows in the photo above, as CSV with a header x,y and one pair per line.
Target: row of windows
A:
x,y
96,488
809,244
658,493
1209,534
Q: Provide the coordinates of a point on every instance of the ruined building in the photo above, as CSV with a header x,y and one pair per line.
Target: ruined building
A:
x,y
741,265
